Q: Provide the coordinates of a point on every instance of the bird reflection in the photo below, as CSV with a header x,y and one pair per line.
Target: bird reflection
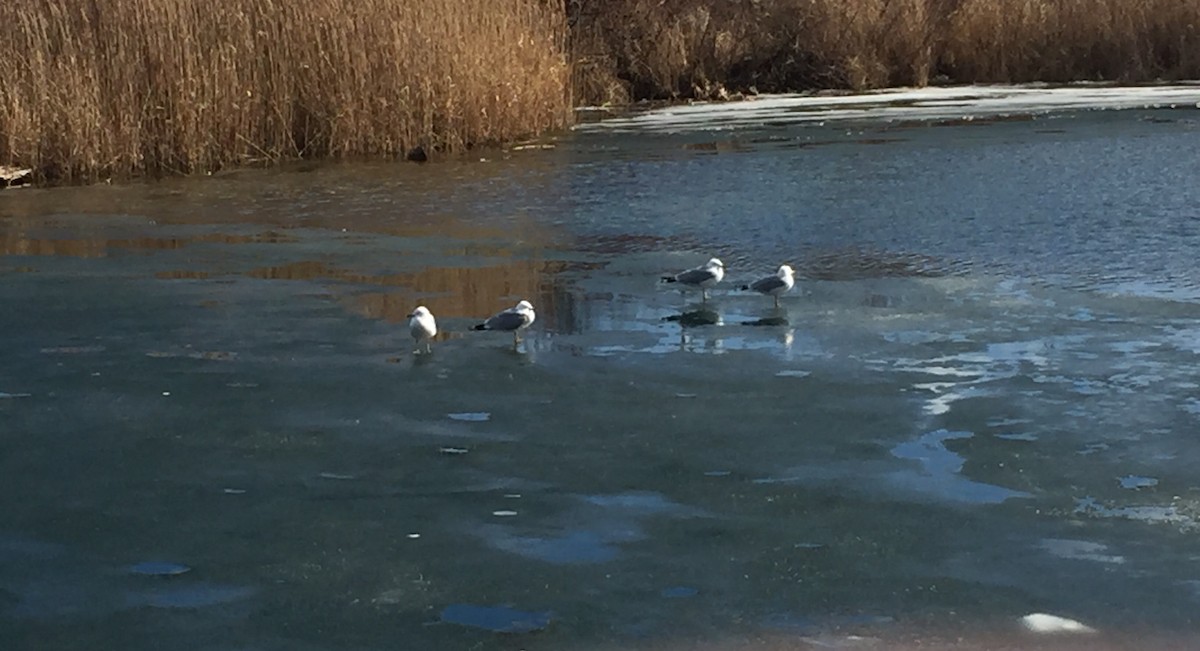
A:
x,y
422,360
523,351
696,318
768,321
777,317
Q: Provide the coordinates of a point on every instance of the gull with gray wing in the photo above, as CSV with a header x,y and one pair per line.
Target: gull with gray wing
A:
x,y
775,285
702,277
514,320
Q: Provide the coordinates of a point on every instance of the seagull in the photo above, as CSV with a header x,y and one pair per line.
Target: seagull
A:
x,y
780,283
514,319
422,326
703,277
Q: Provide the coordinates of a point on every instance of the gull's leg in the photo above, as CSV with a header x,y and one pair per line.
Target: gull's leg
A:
x,y
777,301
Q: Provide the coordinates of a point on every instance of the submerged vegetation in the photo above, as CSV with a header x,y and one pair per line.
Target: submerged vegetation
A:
x,y
100,88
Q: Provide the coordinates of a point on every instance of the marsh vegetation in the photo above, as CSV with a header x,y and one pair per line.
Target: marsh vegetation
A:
x,y
98,89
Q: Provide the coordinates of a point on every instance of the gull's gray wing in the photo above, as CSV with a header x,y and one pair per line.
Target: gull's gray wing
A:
x,y
768,284
505,321
695,276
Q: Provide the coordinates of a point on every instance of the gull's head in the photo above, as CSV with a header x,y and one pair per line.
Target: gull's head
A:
x,y
524,306
421,311
784,271
714,263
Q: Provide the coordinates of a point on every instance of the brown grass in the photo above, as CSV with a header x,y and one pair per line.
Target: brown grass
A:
x,y
110,88
1066,40
98,88
709,48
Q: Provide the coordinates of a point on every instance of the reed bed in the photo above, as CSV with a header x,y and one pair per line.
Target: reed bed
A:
x,y
93,89
628,49
100,88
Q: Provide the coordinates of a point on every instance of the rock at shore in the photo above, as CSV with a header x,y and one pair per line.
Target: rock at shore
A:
x,y
13,176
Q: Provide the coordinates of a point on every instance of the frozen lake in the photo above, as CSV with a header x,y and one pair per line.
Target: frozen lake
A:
x,y
980,402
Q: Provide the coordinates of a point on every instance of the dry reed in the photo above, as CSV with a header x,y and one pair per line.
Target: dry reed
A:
x,y
709,48
98,88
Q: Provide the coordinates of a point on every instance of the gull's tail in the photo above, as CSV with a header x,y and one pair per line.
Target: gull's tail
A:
x,y
481,326
744,288
668,279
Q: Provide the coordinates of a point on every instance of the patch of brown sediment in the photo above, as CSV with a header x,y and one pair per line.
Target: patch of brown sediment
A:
x,y
100,247
304,270
357,211
182,274
446,291
470,292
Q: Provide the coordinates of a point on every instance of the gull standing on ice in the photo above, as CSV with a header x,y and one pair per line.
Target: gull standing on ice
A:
x,y
780,283
701,277
514,320
422,326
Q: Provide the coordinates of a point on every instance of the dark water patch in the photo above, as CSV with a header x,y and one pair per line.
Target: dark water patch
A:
x,y
812,624
208,355
470,416
881,301
642,503
73,350
569,548
983,120
1018,436
679,592
20,549
856,264
159,568
189,597
498,619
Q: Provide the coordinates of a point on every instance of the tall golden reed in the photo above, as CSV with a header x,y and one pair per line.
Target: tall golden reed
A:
x,y
701,48
97,88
